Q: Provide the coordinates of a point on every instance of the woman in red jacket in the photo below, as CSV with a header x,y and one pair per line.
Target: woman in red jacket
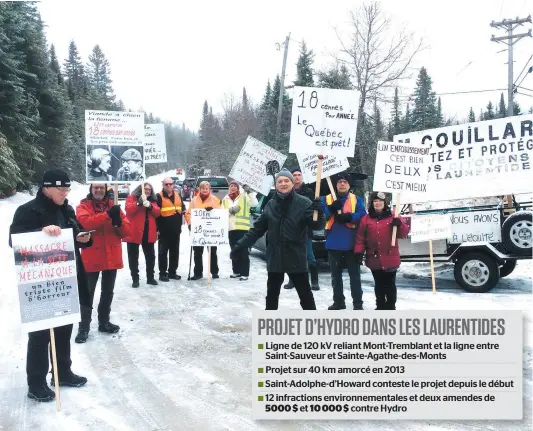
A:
x,y
142,210
374,236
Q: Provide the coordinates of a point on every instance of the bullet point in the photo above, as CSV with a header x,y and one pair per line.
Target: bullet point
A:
x,y
260,370
260,346
260,398
260,384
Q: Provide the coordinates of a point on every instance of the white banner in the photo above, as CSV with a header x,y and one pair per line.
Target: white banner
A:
x,y
114,146
430,227
324,121
487,158
209,228
402,168
251,165
475,226
47,280
331,165
155,144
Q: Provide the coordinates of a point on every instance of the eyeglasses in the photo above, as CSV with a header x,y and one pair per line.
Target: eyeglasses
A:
x,y
63,189
168,184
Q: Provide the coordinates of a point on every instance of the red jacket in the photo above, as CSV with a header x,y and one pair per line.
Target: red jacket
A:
x,y
375,237
137,215
106,252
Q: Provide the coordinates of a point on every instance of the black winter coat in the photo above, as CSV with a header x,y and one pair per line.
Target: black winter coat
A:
x,y
285,222
310,194
40,212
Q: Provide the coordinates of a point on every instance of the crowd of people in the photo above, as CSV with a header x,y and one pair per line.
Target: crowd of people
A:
x,y
100,227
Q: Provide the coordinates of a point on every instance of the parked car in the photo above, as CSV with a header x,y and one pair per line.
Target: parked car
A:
x,y
186,187
123,191
219,186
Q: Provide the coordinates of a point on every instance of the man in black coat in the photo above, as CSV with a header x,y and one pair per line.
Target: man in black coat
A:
x,y
285,220
50,212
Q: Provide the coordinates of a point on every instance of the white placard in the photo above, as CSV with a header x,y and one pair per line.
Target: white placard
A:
x,y
331,165
430,227
251,165
47,279
114,143
475,226
324,121
487,158
402,168
155,144
209,228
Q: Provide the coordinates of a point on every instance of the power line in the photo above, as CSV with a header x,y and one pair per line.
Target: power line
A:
x,y
525,65
461,92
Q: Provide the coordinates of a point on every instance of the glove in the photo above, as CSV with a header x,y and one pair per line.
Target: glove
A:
x,y
335,206
147,204
343,218
359,258
317,204
396,222
234,210
189,226
114,211
208,208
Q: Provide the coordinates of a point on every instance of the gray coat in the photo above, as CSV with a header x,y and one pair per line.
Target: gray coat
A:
x,y
285,222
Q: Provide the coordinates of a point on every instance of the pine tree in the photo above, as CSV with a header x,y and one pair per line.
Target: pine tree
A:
x,y
489,114
335,77
471,116
304,70
440,117
245,104
54,66
274,99
395,127
267,118
99,80
502,110
75,75
516,108
407,121
425,112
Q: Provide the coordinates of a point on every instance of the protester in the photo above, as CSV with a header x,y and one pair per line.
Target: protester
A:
x,y
375,238
285,220
238,205
204,199
142,211
132,166
342,218
97,212
50,212
169,229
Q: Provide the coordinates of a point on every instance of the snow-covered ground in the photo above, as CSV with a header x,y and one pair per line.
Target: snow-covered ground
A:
x,y
182,360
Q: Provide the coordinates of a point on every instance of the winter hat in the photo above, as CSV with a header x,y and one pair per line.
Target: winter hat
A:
x,y
344,176
377,195
296,170
285,173
234,182
55,178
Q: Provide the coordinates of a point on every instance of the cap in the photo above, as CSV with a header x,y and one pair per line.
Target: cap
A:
x,y
55,178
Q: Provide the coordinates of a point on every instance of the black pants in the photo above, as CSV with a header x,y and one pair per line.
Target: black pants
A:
x,y
199,265
168,252
106,294
385,289
241,262
133,259
37,365
336,263
301,283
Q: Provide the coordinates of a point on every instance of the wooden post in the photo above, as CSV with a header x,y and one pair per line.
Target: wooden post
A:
x,y
115,194
396,213
54,365
317,187
332,191
208,265
432,266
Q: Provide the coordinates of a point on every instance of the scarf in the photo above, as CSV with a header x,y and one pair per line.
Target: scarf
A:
x,y
101,206
234,196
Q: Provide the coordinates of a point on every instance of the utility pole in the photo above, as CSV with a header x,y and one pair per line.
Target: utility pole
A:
x,y
509,25
281,91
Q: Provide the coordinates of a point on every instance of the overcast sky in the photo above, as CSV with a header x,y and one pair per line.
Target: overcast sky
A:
x,y
168,56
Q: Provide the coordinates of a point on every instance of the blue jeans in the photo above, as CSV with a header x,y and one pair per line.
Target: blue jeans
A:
x,y
336,258
311,261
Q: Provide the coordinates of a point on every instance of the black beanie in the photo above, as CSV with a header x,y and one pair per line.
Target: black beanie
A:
x,y
344,176
55,178
296,170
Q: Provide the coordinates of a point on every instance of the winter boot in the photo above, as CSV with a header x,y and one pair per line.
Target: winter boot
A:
x,y
41,393
335,306
135,281
108,327
196,277
234,275
151,281
164,278
174,276
313,270
69,379
289,285
85,324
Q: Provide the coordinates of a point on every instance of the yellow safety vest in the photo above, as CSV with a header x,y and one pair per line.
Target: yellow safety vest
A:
x,y
242,218
349,207
169,208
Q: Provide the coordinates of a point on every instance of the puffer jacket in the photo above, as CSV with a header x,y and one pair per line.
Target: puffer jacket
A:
x,y
138,214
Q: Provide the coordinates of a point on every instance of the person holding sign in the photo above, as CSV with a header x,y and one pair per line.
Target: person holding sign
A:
x,y
342,219
238,205
204,199
285,221
50,212
382,258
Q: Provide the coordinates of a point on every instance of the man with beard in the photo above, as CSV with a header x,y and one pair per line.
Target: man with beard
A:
x,y
97,212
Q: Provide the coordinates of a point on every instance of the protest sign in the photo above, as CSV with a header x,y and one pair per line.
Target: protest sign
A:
x,y
209,228
155,145
487,158
114,146
475,226
427,227
47,279
324,121
331,165
251,165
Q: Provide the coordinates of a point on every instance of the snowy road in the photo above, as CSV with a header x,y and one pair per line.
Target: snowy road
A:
x,y
182,359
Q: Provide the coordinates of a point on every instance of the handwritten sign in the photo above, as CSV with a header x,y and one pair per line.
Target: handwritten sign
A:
x,y
251,165
155,145
324,121
475,226
402,168
331,165
428,227
47,279
209,228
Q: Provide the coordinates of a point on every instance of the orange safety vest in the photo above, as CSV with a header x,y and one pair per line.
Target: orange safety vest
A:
x,y
349,207
169,208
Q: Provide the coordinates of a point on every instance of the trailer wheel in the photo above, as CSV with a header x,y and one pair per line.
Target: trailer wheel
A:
x,y
507,268
517,233
476,272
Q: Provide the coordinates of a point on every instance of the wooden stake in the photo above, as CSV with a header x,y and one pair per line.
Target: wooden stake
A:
x,y
115,194
396,212
317,187
208,265
332,191
432,266
54,365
